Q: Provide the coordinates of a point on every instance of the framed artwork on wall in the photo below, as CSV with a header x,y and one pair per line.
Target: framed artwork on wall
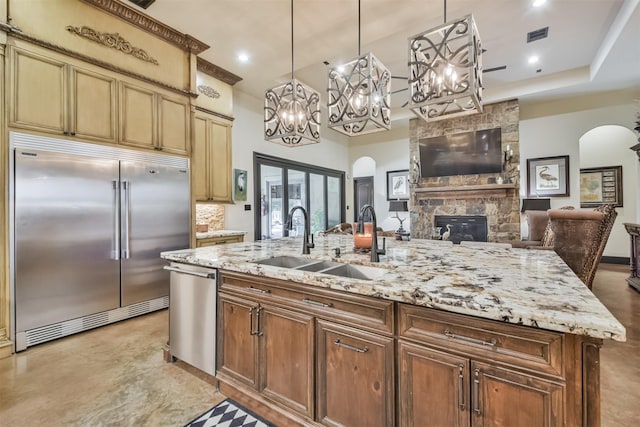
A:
x,y
398,185
548,177
601,185
239,185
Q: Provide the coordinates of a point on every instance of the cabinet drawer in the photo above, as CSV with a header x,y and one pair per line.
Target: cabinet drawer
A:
x,y
512,345
366,313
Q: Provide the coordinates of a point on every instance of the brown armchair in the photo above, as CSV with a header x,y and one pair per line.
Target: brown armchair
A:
x,y
537,221
579,237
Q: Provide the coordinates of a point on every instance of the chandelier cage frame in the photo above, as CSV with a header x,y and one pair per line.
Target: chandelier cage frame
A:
x,y
445,70
292,110
359,94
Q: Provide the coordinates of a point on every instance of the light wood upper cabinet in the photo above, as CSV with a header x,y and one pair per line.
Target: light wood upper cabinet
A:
x,y
137,116
211,160
38,92
52,93
93,105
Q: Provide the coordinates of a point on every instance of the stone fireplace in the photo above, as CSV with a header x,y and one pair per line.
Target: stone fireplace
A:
x,y
494,196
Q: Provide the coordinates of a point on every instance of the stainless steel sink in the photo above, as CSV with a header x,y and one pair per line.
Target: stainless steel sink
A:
x,y
352,271
286,261
319,265
361,272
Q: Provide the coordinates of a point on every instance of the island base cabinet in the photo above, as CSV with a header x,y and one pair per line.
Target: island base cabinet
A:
x,y
286,358
268,349
355,377
433,388
237,343
442,389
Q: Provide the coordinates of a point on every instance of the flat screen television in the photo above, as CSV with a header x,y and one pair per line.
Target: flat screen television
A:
x,y
467,153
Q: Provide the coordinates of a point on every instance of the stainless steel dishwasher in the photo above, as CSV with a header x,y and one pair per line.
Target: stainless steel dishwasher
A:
x,y
192,315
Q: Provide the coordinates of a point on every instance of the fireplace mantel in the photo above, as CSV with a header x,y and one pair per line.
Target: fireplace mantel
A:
x,y
466,191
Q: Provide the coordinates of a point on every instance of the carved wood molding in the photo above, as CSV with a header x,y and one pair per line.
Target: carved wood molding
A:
x,y
150,25
112,40
219,73
208,91
213,113
105,65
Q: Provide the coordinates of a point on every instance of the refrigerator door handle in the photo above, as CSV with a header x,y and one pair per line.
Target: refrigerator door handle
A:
x,y
115,253
126,252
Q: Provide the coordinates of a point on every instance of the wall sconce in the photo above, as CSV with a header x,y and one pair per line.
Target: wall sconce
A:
x,y
414,171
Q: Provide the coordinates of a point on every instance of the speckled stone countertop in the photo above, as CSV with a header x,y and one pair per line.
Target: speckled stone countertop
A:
x,y
220,233
520,286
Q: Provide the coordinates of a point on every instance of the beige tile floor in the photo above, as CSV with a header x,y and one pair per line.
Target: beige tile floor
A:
x,y
115,375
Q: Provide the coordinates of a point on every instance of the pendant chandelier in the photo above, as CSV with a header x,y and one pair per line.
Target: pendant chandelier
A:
x,y
292,111
445,70
359,95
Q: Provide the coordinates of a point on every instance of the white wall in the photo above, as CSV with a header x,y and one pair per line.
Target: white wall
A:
x,y
390,150
559,133
609,146
248,136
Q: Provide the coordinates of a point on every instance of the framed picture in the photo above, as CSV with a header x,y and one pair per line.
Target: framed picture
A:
x,y
239,185
601,185
398,185
548,177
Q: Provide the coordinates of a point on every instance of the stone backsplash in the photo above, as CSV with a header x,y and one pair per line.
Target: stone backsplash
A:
x,y
210,214
501,205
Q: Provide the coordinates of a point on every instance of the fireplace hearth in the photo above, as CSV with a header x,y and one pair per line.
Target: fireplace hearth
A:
x,y
463,227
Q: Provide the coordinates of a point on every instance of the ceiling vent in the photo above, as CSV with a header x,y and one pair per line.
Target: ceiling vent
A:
x,y
142,3
535,35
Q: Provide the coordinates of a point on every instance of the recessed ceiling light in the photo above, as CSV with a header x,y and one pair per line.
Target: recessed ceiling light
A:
x,y
538,3
533,59
243,57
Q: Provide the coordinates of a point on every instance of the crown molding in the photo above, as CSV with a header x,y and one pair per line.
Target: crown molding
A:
x,y
219,73
150,25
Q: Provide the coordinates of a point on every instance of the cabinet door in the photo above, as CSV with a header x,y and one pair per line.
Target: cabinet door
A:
x,y
286,358
199,161
93,106
38,93
505,398
173,132
137,116
220,156
355,381
433,387
237,341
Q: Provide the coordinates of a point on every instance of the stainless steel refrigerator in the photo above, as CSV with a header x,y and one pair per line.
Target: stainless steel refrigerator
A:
x,y
89,223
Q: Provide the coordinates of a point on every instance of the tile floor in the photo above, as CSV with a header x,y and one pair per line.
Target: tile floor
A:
x,y
116,376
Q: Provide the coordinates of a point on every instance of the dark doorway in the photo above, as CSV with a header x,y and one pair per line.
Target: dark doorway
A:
x,y
362,195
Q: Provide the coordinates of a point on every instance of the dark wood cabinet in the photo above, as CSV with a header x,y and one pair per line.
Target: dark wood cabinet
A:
x,y
286,358
237,342
269,349
496,393
355,377
433,387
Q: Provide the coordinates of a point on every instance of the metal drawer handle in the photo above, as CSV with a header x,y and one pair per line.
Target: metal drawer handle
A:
x,y
260,291
317,303
251,331
191,273
491,343
350,347
476,392
461,386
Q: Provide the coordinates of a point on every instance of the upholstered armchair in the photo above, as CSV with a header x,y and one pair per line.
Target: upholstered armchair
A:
x,y
579,237
537,221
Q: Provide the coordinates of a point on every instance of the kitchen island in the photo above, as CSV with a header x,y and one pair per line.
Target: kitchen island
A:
x,y
449,334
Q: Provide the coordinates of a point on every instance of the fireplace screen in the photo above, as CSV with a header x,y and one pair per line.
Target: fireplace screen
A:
x,y
459,228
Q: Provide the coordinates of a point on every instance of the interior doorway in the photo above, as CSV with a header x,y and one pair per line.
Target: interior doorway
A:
x,y
362,195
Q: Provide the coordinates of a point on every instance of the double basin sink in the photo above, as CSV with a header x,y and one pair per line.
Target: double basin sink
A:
x,y
352,271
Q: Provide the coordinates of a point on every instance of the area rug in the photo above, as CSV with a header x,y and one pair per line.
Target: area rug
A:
x,y
229,413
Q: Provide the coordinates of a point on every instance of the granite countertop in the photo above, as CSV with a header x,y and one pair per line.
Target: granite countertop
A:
x,y
219,233
519,286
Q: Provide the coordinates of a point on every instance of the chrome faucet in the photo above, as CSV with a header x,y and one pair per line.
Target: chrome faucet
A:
x,y
375,252
306,245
